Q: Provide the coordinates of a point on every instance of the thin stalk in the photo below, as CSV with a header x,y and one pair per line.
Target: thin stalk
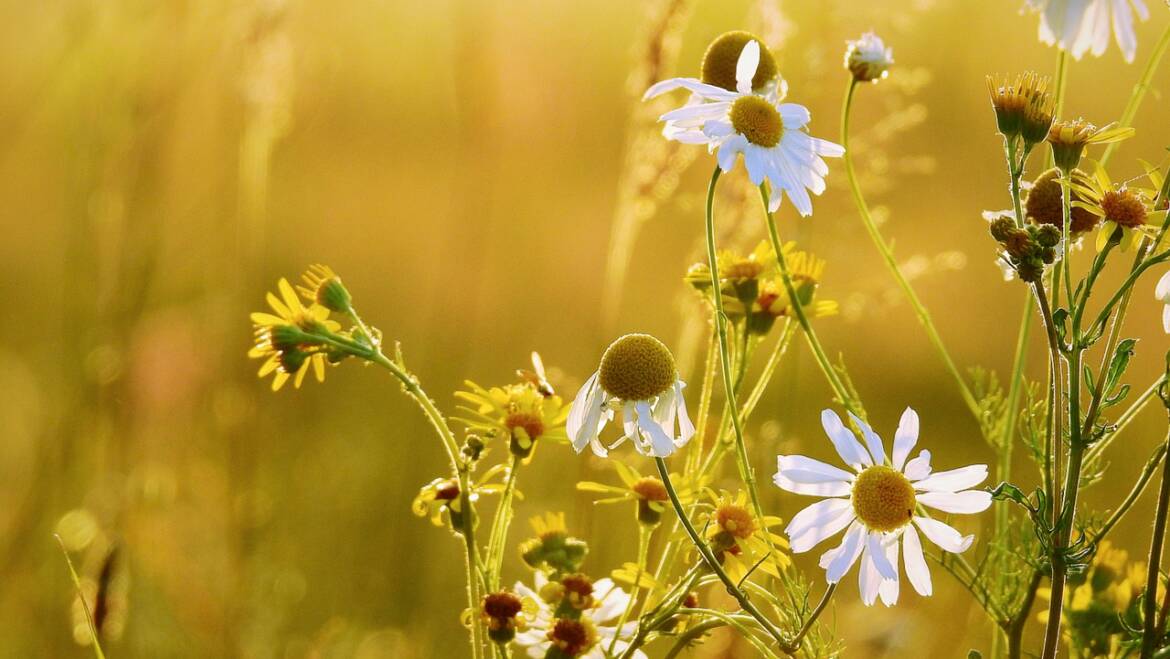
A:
x,y
1140,89
892,264
1004,462
93,630
714,564
814,343
499,533
729,379
708,382
1143,479
643,549
1155,562
1052,423
1015,627
1094,453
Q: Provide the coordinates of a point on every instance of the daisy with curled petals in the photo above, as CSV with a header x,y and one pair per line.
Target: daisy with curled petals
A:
x,y
637,376
285,342
876,499
1080,26
571,617
768,133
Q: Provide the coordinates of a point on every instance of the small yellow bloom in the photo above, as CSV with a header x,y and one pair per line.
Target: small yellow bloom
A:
x,y
648,492
740,540
288,341
521,413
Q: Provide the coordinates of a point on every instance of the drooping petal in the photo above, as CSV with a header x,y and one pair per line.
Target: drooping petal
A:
x,y
953,480
872,441
944,535
971,501
694,85
818,522
661,443
586,417
850,450
915,562
905,438
1162,292
686,429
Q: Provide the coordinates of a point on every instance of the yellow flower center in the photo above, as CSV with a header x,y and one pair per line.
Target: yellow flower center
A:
x,y
637,367
532,424
757,120
1124,207
650,489
722,55
735,520
883,498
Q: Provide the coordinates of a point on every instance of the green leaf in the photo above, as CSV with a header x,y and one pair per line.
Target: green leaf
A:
x,y
1121,358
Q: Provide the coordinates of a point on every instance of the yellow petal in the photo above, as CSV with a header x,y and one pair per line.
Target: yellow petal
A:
x,y
289,295
278,307
319,367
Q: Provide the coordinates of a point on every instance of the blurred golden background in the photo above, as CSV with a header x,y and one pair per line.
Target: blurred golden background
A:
x,y
462,165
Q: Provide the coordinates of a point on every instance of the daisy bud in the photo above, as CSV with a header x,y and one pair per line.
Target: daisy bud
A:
x,y
571,638
1069,138
1018,243
1023,107
1124,207
577,592
1048,235
1030,270
722,56
868,59
1001,228
324,287
555,550
500,613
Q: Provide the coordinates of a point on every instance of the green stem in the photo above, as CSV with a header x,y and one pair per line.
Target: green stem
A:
x,y
1143,479
814,344
713,562
93,630
1004,463
643,549
738,623
1140,89
1155,562
1097,450
1015,627
497,540
892,264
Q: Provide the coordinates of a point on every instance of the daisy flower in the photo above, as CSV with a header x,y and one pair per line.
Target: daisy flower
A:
x,y
876,500
572,615
648,492
868,59
284,340
1162,294
637,376
740,540
1081,26
768,133
521,413
1119,207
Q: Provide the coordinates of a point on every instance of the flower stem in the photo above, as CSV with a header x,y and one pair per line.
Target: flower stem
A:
x,y
643,550
1004,450
892,264
500,523
830,373
1148,470
729,379
1140,89
1151,596
713,562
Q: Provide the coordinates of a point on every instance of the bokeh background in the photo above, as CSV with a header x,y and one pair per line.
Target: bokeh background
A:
x,y
466,166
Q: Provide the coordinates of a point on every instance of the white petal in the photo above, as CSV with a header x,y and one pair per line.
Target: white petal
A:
x,y
1123,29
944,535
661,443
745,66
629,420
916,569
590,419
1162,292
818,522
877,554
876,449
696,86
1166,318
953,480
702,111
844,441
869,580
971,501
845,555
729,150
889,587
834,489
807,470
918,468
686,429
905,438
793,115
576,418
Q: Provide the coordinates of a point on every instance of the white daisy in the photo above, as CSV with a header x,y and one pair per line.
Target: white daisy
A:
x,y
868,59
1081,26
768,133
584,634
1162,294
877,501
637,376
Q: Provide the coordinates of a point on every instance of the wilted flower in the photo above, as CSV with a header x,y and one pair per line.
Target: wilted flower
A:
x,y
1023,107
868,59
768,133
877,502
553,548
289,342
1081,26
638,376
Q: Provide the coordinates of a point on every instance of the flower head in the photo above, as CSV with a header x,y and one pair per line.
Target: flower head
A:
x,y
868,59
721,59
1068,139
877,499
520,413
504,613
322,286
575,616
553,549
1045,203
637,375
769,134
290,342
740,540
441,499
1023,107
1081,26
1122,210
648,492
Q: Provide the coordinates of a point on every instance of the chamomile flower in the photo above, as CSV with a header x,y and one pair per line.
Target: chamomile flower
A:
x,y
868,58
572,615
1081,26
637,376
768,133
285,340
876,501
1162,294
